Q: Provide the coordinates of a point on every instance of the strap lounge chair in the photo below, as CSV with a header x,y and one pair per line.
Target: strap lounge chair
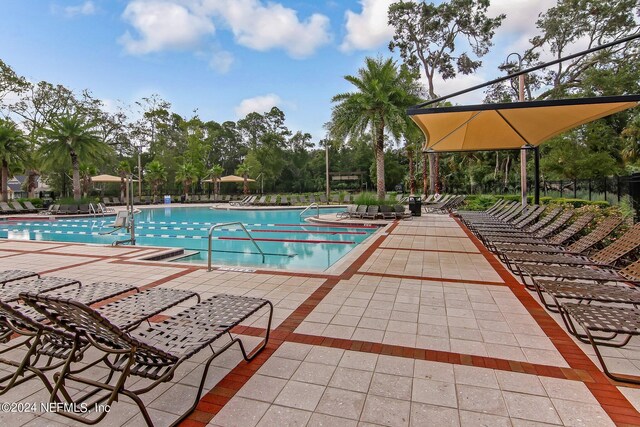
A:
x,y
6,209
30,207
371,213
335,198
152,353
45,340
19,208
284,201
349,213
361,210
401,213
347,198
387,212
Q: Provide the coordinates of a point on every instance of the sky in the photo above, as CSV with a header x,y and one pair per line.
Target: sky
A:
x,y
225,58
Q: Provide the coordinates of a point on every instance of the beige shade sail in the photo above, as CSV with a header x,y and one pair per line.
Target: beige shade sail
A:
x,y
230,178
510,126
108,178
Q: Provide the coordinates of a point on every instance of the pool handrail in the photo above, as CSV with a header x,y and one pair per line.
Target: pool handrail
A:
x,y
225,224
311,206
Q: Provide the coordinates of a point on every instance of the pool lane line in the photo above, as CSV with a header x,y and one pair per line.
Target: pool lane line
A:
x,y
265,239
307,231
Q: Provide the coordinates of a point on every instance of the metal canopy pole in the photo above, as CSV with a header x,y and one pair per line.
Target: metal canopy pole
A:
x,y
523,150
536,164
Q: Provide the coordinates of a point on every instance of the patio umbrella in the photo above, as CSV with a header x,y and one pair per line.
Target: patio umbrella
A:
x,y
108,178
230,178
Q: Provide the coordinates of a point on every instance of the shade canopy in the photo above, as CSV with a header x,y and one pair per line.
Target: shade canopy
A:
x,y
108,178
230,178
509,126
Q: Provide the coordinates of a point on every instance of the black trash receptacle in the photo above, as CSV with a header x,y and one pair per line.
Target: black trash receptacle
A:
x,y
415,205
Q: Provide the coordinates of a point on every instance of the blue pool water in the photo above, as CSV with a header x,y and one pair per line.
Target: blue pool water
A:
x,y
286,239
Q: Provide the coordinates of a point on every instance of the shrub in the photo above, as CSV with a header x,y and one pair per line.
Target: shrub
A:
x,y
370,199
71,201
37,202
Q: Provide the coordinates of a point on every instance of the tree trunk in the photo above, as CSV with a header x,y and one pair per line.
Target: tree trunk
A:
x,y
122,187
31,183
4,181
425,177
75,164
412,174
380,160
245,186
433,173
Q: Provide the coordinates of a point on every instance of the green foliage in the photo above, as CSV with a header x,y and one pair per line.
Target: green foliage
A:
x,y
37,202
576,203
370,199
378,106
81,201
626,207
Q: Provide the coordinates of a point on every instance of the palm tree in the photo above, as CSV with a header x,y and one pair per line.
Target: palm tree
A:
x,y
243,169
13,150
86,172
72,137
216,172
379,105
186,174
124,169
156,175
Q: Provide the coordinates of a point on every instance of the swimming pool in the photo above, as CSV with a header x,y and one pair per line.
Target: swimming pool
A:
x,y
286,239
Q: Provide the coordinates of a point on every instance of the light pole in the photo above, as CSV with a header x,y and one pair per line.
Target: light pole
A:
x,y
326,163
261,175
523,150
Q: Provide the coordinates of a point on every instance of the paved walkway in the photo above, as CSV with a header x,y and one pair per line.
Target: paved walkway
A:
x,y
423,327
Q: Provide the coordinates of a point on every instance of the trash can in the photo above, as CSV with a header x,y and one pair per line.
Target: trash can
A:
x,y
415,205
167,200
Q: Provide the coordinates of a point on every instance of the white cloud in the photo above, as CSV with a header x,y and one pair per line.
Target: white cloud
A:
x,y
163,25
257,104
369,28
180,24
267,26
460,82
221,61
86,8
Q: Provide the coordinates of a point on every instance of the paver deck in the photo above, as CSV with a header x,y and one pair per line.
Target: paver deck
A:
x,y
422,327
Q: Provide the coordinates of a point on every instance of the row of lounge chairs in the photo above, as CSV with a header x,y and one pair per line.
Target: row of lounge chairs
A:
x,y
444,204
374,212
57,327
264,200
593,286
17,208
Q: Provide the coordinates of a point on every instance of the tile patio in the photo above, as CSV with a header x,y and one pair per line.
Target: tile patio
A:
x,y
422,327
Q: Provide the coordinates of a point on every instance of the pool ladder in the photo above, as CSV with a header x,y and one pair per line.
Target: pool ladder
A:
x,y
226,224
312,205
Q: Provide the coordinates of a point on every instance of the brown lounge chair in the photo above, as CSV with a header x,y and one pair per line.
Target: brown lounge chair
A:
x,y
371,213
152,353
387,212
609,255
47,342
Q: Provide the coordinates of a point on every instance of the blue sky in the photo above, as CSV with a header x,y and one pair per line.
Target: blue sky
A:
x,y
224,58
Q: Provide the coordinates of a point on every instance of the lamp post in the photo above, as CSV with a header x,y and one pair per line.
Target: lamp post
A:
x,y
523,150
326,163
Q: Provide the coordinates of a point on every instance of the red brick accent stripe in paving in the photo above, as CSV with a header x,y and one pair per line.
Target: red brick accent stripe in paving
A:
x,y
430,235
432,279
603,389
53,270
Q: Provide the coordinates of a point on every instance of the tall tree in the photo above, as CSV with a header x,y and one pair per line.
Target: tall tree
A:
x,y
124,169
186,175
243,170
13,148
72,138
216,173
428,37
156,176
383,93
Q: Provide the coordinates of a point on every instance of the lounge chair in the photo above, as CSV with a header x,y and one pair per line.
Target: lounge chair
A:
x,y
6,209
19,208
613,321
323,199
551,244
294,200
107,201
372,212
335,198
64,209
30,207
607,257
401,213
7,276
262,201
312,199
152,353
48,342
284,201
53,209
303,200
349,213
387,212
84,209
347,198
361,210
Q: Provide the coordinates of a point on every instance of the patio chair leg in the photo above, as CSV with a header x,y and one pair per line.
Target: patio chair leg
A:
x,y
604,366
